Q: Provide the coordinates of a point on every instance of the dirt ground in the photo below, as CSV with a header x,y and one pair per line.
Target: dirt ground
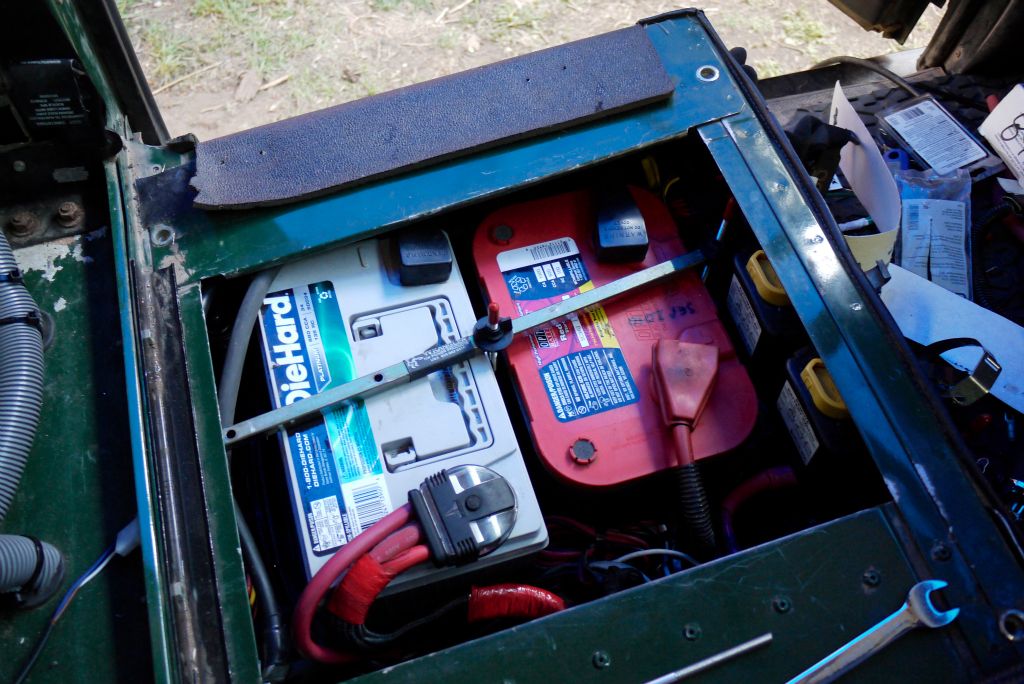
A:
x,y
219,66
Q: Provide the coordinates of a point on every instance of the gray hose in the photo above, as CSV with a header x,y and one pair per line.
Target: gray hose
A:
x,y
21,398
21,379
18,559
274,648
238,344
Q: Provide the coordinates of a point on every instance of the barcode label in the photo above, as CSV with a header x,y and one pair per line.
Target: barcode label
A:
x,y
913,215
528,257
550,250
367,502
912,113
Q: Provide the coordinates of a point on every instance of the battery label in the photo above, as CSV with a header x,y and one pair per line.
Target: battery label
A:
x,y
742,312
335,460
797,423
936,136
578,356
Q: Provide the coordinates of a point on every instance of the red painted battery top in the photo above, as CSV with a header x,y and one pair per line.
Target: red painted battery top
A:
x,y
585,380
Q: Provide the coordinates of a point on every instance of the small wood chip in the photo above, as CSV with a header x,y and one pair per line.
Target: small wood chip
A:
x,y
248,86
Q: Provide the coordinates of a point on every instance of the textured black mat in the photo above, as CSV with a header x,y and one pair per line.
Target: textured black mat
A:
x,y
543,91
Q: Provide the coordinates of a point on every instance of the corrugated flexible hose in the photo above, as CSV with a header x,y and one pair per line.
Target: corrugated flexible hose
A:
x,y
30,568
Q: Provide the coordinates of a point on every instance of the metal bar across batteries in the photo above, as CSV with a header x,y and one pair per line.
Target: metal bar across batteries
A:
x,y
449,354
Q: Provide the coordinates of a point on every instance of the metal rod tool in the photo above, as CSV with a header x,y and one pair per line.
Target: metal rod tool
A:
x,y
712,661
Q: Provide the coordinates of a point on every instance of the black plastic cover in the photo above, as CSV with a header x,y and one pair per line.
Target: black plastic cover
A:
x,y
424,257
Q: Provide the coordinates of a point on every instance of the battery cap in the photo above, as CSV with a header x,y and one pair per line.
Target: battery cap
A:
x,y
823,390
621,234
424,257
465,512
766,281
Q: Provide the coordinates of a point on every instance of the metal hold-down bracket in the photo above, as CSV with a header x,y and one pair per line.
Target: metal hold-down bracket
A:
x,y
980,381
488,335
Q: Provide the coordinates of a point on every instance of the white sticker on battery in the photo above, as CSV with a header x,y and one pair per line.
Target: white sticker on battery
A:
x,y
936,137
743,315
934,242
367,501
327,531
798,424
539,253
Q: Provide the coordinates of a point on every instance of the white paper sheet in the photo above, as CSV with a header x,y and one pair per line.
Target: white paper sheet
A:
x,y
933,241
1004,130
927,313
871,181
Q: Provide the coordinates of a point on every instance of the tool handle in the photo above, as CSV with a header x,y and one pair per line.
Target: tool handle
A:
x,y
859,649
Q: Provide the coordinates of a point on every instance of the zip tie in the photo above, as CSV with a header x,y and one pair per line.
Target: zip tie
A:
x,y
32,318
12,276
16,599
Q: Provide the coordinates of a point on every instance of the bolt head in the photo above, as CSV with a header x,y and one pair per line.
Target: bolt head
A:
x,y
23,224
782,604
871,578
692,631
69,214
941,552
601,660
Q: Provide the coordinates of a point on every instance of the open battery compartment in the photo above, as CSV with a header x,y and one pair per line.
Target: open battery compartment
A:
x,y
786,471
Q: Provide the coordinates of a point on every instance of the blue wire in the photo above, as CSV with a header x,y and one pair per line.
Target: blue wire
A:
x,y
80,582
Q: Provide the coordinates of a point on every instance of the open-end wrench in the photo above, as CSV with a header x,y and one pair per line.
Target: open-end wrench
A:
x,y
918,610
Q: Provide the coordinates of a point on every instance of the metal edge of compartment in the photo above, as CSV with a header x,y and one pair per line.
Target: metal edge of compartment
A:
x,y
133,272
953,526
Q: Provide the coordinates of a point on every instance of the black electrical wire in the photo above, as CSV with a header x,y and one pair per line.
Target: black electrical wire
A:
x,y
982,224
366,639
871,66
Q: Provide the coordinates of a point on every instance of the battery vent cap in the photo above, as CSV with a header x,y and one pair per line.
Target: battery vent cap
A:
x,y
465,512
424,257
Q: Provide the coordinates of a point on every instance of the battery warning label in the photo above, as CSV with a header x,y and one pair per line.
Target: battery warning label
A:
x,y
578,356
335,463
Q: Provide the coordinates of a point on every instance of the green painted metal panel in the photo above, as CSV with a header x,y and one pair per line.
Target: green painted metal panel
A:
x,y
642,632
77,491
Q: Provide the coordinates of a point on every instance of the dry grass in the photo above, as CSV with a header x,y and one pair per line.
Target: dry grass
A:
x,y
337,50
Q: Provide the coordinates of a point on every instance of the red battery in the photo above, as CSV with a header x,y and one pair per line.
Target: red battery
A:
x,y
585,380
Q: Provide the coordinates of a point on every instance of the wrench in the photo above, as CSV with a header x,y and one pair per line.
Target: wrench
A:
x,y
917,611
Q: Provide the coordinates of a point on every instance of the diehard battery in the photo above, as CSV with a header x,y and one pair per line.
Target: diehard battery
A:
x,y
344,314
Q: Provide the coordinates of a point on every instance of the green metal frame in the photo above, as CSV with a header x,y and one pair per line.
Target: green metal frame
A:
x,y
820,572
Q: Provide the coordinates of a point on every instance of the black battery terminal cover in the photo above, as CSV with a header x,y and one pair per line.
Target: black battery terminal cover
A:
x,y
424,257
465,512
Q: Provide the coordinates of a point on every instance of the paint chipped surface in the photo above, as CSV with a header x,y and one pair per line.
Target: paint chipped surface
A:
x,y
176,260
60,304
46,257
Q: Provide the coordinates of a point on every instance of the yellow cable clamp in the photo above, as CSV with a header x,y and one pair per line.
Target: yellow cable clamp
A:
x,y
823,390
765,279
819,383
